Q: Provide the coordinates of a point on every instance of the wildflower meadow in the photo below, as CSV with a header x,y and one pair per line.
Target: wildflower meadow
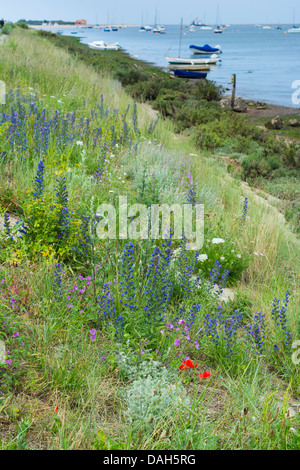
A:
x,y
132,344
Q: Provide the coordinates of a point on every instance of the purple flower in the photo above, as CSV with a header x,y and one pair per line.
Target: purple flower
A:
x,y
142,351
15,334
93,334
177,342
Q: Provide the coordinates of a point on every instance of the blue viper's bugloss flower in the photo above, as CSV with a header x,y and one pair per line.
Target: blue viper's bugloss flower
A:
x,y
245,209
7,227
39,181
119,323
107,308
127,282
279,318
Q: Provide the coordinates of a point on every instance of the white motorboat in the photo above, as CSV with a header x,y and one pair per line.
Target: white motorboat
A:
x,y
213,59
103,46
295,29
159,30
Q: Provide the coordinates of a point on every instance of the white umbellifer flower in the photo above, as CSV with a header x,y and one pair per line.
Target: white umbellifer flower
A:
x,y
52,96
111,155
79,142
59,101
176,252
202,257
238,255
218,240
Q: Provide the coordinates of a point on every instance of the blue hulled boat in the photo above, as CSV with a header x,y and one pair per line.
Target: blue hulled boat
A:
x,y
189,74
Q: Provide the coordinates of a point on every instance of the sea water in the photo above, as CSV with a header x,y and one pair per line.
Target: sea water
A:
x,y
266,61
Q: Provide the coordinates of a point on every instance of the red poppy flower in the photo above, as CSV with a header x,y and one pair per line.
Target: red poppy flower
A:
x,y
56,409
205,374
189,363
186,364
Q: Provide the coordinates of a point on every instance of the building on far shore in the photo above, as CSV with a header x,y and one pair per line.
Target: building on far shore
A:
x,y
80,23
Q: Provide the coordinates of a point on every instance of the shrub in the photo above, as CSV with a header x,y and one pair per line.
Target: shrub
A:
x,y
22,25
254,165
7,28
209,91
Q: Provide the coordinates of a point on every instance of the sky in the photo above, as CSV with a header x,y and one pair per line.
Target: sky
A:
x,y
168,11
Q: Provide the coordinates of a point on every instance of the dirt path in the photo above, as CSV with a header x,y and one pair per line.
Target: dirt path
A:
x,y
266,201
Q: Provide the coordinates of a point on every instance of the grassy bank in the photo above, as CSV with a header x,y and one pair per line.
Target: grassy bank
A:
x,y
96,330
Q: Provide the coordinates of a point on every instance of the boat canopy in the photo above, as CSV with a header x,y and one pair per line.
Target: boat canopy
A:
x,y
205,48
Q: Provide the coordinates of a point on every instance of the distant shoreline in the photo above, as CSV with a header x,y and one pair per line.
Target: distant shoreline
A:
x,y
118,25
62,26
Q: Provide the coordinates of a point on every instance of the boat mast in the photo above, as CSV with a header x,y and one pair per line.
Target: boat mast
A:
x,y
180,37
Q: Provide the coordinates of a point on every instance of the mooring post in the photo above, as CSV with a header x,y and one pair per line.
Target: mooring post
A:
x,y
233,79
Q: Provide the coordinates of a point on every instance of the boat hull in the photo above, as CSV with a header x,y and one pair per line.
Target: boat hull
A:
x,y
200,68
207,61
102,46
189,74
